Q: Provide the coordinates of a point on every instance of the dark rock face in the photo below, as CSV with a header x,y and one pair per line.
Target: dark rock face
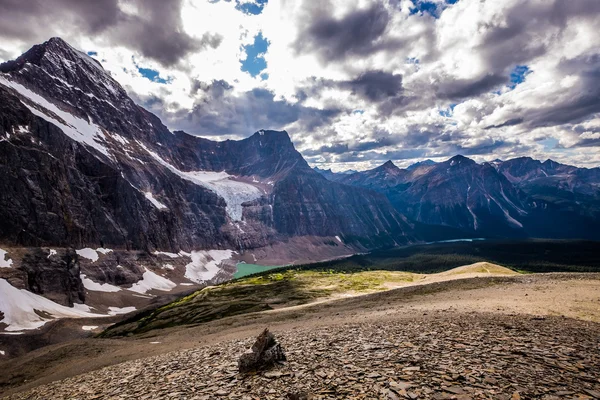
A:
x,y
54,276
84,166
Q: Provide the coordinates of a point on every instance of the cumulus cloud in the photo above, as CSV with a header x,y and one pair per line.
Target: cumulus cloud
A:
x,y
355,82
152,27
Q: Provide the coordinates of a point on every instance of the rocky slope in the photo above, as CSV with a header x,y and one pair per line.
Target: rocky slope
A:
x,y
498,338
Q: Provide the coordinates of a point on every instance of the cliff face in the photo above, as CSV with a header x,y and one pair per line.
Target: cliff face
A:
x,y
82,165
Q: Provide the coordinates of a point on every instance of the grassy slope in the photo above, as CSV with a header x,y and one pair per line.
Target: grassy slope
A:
x,y
361,274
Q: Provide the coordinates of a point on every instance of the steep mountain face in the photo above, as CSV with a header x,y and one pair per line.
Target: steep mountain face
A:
x,y
458,193
514,198
82,165
564,200
385,176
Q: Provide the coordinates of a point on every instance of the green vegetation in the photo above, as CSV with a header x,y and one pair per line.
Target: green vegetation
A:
x,y
379,270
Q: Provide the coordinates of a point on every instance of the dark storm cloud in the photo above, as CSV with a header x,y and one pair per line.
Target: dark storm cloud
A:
x,y
375,86
510,122
459,89
220,112
156,32
357,33
580,103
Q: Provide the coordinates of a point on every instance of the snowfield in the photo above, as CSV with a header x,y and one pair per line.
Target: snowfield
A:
x,y
5,262
151,280
92,254
205,264
19,307
78,129
98,287
119,310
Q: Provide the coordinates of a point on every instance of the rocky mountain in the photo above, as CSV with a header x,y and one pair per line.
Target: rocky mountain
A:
x,y
385,176
514,198
564,200
333,176
98,196
421,163
82,165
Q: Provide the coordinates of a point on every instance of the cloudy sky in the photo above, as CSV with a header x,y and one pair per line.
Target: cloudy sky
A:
x,y
354,82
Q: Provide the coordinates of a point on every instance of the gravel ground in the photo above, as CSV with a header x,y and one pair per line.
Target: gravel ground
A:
x,y
439,355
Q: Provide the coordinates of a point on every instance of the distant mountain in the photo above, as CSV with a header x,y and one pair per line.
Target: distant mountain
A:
x,y
514,198
421,163
564,200
333,176
384,176
463,194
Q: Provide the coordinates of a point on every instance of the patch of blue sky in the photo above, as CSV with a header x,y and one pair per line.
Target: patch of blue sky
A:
x,y
425,7
255,60
550,144
251,7
150,74
361,112
517,75
448,112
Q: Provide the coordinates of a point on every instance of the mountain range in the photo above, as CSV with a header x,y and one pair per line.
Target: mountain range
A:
x,y
83,167
521,197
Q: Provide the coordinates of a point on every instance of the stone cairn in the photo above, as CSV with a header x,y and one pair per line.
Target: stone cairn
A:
x,y
265,353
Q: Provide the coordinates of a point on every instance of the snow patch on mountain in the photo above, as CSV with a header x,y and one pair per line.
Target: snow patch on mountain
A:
x,y
92,254
205,264
76,128
5,262
233,192
98,287
166,253
151,280
119,310
22,309
88,253
154,201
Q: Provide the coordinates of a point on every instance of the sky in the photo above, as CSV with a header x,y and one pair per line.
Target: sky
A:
x,y
354,82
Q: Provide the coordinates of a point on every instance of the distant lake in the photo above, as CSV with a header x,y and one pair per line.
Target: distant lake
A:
x,y
456,240
244,269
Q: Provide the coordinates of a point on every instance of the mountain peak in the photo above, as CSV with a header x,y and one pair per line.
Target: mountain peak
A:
x,y
460,160
427,162
389,165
